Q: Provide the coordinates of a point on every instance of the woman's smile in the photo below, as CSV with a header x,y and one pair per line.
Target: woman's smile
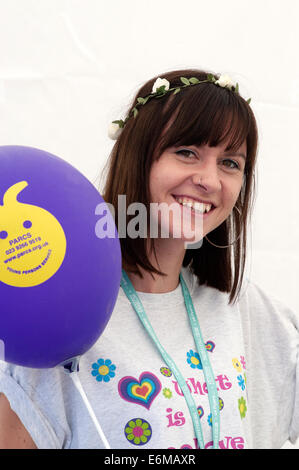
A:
x,y
198,182
197,206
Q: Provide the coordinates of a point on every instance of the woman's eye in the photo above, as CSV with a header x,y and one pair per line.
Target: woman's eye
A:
x,y
185,153
188,154
232,164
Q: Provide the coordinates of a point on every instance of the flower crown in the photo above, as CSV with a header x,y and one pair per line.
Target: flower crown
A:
x,y
161,87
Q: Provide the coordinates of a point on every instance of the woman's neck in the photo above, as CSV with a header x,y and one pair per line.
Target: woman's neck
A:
x,y
170,255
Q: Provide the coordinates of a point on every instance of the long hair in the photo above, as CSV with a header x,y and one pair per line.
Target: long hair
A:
x,y
199,115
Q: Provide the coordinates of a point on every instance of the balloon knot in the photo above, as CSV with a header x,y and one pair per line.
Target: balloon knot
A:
x,y
70,365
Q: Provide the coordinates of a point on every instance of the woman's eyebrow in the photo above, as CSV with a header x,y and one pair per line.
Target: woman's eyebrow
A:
x,y
235,154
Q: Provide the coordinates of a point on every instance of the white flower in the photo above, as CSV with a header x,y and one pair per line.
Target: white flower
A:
x,y
160,82
114,130
225,81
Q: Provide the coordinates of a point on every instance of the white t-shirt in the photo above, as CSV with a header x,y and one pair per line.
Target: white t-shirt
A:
x,y
253,350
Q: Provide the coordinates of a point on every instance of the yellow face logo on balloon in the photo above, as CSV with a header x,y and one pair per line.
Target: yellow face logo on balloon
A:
x,y
32,241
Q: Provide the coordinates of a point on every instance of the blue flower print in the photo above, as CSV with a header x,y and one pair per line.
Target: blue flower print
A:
x,y
241,382
103,370
194,360
209,419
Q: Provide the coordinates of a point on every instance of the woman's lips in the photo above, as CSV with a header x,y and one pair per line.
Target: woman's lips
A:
x,y
193,211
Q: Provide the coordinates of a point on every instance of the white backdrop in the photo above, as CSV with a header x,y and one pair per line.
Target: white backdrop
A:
x,y
69,67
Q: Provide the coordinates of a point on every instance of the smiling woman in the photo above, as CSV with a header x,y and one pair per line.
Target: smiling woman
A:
x,y
193,356
213,120
201,178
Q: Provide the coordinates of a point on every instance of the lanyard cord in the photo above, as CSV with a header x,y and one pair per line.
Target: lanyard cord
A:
x,y
211,384
207,368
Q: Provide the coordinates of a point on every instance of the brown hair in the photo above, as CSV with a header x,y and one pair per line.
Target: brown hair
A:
x,y
200,114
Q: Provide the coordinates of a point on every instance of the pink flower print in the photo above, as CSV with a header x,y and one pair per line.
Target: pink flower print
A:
x,y
243,362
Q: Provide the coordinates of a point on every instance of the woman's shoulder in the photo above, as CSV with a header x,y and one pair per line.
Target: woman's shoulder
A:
x,y
253,301
31,384
35,395
260,299
268,320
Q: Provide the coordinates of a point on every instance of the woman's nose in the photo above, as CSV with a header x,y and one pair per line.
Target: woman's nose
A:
x,y
207,178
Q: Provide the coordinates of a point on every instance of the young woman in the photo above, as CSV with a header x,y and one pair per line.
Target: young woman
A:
x,y
194,356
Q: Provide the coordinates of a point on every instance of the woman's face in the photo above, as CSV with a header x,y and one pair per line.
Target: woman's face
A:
x,y
193,175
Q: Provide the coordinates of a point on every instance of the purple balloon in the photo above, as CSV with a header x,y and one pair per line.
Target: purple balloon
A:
x,y
58,280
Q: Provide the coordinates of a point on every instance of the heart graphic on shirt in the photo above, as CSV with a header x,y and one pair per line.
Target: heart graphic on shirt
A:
x,y
210,346
141,392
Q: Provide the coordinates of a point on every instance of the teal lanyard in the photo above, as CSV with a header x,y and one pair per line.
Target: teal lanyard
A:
x,y
207,369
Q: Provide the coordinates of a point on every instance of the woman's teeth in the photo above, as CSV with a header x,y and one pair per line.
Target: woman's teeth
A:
x,y
197,206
